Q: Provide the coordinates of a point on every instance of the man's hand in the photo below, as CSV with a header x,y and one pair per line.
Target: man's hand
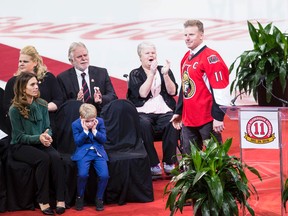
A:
x,y
97,95
218,126
80,95
176,121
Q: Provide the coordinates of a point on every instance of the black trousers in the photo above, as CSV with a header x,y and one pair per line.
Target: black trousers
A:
x,y
196,135
46,161
160,122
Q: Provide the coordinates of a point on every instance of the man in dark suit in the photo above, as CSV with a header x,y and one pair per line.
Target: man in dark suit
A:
x,y
83,82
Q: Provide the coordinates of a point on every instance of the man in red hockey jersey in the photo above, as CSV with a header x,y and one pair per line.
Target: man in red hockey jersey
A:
x,y
204,78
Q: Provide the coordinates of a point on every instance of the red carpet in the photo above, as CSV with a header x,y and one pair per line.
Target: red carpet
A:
x,y
266,161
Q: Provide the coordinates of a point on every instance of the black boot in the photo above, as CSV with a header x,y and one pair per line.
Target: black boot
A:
x,y
79,203
99,204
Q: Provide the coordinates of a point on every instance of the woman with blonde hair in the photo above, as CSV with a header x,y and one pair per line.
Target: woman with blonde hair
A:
x,y
31,61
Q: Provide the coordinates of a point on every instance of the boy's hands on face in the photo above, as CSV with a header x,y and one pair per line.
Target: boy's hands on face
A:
x,y
90,123
94,126
83,123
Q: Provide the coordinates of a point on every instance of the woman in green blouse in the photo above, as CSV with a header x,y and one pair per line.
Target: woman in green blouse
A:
x,y
32,138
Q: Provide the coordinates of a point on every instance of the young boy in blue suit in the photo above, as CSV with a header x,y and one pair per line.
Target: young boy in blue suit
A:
x,y
89,135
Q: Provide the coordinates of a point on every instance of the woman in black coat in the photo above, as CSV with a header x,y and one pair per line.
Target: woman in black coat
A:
x,y
31,61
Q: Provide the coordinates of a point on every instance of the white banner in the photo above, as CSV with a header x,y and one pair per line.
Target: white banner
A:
x,y
259,129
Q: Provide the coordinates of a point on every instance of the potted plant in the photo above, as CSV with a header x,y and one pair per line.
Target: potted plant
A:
x,y
264,68
285,194
214,181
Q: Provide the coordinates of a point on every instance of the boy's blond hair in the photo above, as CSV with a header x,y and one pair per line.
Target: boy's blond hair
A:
x,y
87,110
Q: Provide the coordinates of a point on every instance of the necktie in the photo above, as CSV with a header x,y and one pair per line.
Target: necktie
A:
x,y
190,56
85,88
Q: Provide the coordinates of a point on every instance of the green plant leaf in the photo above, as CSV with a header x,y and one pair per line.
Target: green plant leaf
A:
x,y
229,206
285,193
199,175
216,189
254,171
253,33
227,145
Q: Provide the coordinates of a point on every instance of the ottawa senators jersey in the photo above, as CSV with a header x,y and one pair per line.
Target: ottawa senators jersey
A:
x,y
201,74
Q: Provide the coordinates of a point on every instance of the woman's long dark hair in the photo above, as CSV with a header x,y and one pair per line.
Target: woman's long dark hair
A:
x,y
20,98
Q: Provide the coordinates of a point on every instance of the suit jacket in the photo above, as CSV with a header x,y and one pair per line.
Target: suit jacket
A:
x,y
84,141
98,78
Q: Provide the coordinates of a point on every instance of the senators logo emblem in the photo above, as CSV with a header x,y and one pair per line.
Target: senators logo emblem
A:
x,y
188,85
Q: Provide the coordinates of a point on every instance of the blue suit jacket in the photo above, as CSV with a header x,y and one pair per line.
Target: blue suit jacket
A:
x,y
84,141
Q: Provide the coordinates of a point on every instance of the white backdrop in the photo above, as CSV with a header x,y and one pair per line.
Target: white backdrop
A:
x,y
113,29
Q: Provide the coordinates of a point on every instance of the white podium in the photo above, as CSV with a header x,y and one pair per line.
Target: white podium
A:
x,y
263,139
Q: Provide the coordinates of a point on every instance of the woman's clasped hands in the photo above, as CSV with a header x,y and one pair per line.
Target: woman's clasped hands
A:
x,y
45,138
